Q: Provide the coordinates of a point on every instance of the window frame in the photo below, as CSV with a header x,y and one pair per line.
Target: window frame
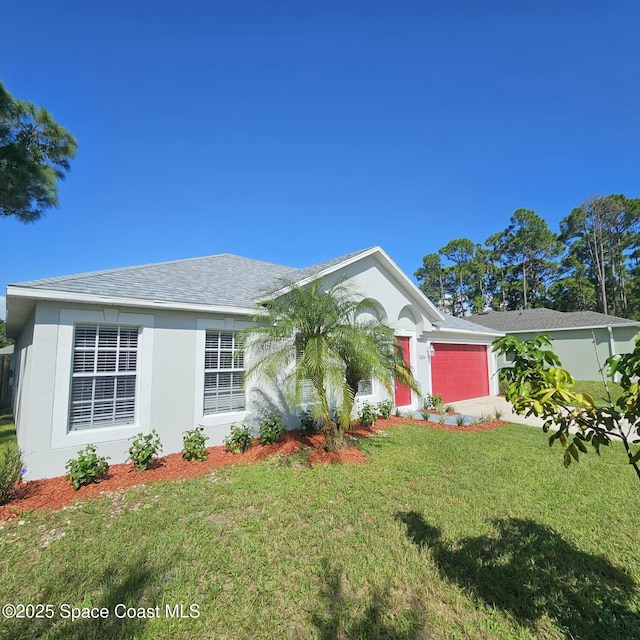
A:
x,y
230,354
63,437
371,393
214,419
84,354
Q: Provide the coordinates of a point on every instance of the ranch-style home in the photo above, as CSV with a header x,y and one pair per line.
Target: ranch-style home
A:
x,y
102,356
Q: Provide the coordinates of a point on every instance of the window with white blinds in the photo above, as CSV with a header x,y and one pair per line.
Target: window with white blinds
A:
x,y
103,384
223,372
365,387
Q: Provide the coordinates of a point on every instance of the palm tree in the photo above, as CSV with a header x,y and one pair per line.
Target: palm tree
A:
x,y
310,335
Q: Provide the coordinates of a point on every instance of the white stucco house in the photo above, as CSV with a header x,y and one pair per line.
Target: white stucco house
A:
x,y
102,356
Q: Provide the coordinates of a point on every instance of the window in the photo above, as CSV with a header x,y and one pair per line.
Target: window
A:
x,y
223,372
365,388
104,373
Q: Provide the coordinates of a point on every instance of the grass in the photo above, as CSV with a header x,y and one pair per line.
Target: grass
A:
x,y
596,389
7,430
439,535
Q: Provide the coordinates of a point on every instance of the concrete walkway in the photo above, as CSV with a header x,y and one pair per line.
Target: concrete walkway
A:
x,y
488,405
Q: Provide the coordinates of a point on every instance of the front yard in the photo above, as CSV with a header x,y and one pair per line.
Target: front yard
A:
x,y
440,534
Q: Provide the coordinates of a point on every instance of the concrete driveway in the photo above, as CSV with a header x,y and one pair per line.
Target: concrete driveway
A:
x,y
488,405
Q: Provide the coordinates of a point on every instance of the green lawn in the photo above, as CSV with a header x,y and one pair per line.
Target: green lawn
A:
x,y
7,430
438,535
597,390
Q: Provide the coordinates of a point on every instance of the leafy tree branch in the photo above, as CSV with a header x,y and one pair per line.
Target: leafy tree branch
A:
x,y
537,385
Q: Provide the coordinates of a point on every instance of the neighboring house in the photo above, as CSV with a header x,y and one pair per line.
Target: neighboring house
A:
x,y
583,340
102,356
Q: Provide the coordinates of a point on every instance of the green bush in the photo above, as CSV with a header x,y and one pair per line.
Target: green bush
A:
x,y
239,439
11,472
385,408
194,444
460,420
143,448
87,467
432,403
271,429
308,424
368,415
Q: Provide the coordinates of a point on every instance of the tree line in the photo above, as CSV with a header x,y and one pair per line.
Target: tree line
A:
x,y
591,264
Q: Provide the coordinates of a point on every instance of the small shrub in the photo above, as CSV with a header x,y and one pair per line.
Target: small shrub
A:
x,y
460,420
433,402
397,412
143,448
239,439
427,407
449,409
11,472
442,417
87,467
308,424
384,408
194,444
368,415
482,418
497,414
271,429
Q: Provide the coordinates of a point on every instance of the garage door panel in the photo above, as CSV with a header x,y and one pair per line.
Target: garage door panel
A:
x,y
459,371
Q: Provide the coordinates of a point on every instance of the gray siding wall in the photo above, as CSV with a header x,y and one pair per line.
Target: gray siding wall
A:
x,y
583,351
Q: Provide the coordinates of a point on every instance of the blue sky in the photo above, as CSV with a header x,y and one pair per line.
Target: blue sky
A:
x,y
297,131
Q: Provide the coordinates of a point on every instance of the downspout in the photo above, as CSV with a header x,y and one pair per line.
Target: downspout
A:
x,y
612,349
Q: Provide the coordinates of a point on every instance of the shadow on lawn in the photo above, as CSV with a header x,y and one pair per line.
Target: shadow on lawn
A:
x,y
7,430
131,583
529,571
340,616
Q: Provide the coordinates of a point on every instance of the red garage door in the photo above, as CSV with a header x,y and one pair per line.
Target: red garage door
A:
x,y
459,371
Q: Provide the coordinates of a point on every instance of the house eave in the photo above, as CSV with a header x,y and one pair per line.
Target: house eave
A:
x,y
86,298
469,332
588,328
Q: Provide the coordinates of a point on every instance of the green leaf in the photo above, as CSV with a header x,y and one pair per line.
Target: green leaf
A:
x,y
567,459
573,450
578,442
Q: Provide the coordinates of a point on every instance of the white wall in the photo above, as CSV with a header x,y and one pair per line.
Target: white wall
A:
x,y
166,370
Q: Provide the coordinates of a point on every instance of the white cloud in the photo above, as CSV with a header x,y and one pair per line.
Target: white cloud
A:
x,y
3,307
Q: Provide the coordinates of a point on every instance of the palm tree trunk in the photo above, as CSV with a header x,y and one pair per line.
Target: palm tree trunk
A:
x,y
333,432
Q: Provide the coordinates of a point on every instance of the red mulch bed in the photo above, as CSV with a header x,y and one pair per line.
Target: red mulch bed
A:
x,y
55,493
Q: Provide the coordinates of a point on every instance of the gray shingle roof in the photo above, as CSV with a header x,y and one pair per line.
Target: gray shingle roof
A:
x,y
453,322
224,279
545,320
